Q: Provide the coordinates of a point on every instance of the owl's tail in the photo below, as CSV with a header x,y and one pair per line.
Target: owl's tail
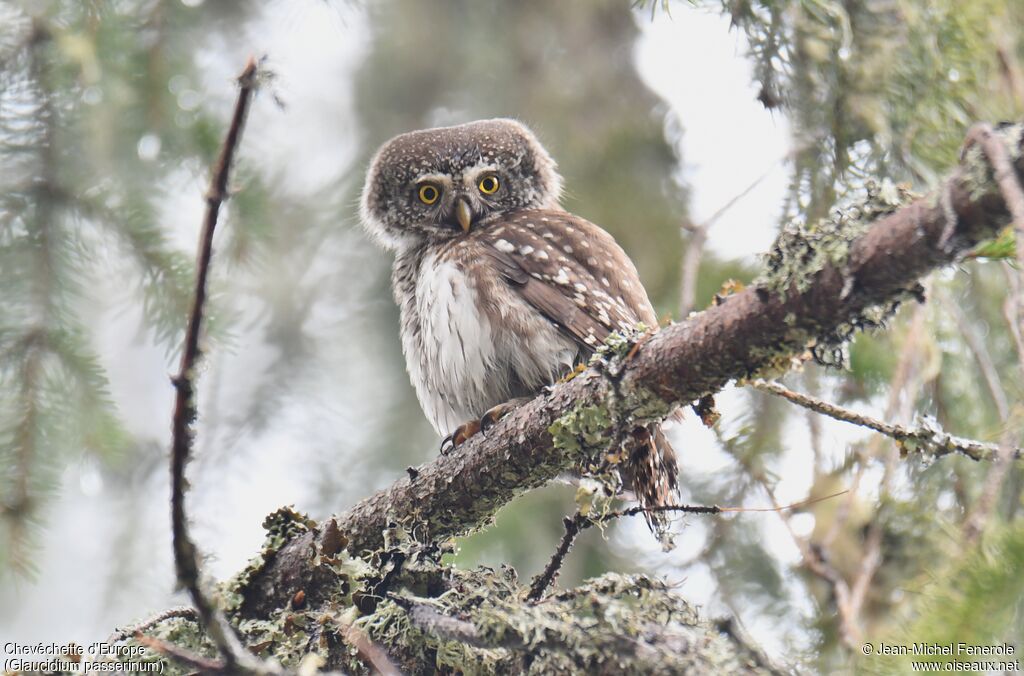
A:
x,y
652,476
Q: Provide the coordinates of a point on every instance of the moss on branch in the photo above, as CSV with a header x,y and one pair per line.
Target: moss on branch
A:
x,y
614,624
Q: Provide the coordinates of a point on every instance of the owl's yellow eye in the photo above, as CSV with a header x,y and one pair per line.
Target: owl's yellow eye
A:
x,y
429,193
489,184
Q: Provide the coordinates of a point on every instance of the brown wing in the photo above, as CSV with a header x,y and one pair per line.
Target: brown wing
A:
x,y
571,271
576,275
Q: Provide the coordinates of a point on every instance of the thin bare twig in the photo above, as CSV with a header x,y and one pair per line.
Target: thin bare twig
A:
x,y
1009,184
369,652
186,557
573,525
577,523
699,237
200,663
185,612
925,438
982,356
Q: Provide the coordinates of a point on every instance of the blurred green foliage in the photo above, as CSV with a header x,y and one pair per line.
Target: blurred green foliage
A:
x,y
880,87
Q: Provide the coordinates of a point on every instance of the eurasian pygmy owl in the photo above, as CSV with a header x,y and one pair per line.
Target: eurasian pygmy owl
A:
x,y
501,291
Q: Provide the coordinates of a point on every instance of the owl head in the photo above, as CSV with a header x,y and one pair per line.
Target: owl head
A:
x,y
437,184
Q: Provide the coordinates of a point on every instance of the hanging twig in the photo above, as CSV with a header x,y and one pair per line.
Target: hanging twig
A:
x,y
577,523
186,557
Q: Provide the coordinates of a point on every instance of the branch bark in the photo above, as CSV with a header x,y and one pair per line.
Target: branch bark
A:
x,y
751,333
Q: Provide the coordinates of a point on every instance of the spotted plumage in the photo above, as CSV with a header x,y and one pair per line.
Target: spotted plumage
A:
x,y
500,290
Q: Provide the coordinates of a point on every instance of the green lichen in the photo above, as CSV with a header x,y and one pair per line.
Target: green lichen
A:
x,y
281,525
581,430
289,636
644,405
617,345
977,172
595,628
284,524
801,251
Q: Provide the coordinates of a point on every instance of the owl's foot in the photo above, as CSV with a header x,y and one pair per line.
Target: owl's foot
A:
x,y
493,415
486,422
459,436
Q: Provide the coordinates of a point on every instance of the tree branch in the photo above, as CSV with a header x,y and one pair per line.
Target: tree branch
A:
x,y
579,522
752,332
185,612
678,642
201,664
926,439
186,555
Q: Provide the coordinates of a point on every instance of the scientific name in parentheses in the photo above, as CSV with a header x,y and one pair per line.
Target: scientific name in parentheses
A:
x,y
73,650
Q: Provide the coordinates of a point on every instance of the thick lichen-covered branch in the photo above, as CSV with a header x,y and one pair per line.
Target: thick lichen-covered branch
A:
x,y
822,283
433,618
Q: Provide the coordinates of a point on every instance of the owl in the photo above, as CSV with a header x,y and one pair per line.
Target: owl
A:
x,y
501,291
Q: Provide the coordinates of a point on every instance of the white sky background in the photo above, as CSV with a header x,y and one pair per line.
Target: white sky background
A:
x,y
692,60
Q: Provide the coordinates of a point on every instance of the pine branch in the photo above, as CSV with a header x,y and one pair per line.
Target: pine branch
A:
x,y
757,330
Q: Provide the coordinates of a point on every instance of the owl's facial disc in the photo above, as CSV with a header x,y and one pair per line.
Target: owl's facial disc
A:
x,y
436,184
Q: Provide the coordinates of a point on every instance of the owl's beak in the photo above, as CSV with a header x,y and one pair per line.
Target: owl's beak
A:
x,y
463,213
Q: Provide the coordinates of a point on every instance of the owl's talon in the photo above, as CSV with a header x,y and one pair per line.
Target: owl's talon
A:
x,y
493,415
459,436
